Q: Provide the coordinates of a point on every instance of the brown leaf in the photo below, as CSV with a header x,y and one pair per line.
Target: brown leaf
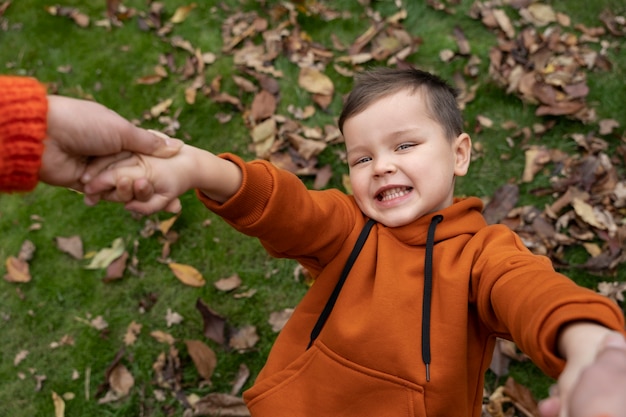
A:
x,y
72,245
536,158
240,379
203,357
522,398
27,251
218,404
228,284
461,41
187,274
308,148
607,126
214,324
244,339
539,14
132,331
162,337
263,106
278,319
502,202
116,269
121,380
323,176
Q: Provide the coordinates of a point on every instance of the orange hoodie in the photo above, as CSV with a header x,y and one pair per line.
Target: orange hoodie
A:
x,y
389,324
23,122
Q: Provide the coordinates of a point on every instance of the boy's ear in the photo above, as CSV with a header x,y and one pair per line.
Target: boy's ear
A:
x,y
462,149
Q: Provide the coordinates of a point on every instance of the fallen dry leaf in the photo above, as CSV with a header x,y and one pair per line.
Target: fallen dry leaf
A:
x,y
59,405
106,256
17,270
278,319
163,337
172,317
121,380
244,339
214,324
314,81
187,274
203,357
132,331
21,355
182,12
240,379
218,404
72,245
116,269
228,284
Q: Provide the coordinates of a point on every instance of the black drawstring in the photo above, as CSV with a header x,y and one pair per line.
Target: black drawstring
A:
x,y
428,287
342,279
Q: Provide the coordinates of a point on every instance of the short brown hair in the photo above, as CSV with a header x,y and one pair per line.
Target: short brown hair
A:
x,y
377,83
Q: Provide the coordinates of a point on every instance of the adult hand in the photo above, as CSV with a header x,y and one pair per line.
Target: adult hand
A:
x,y
79,130
601,388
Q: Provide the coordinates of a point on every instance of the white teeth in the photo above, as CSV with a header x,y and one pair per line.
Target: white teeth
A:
x,y
392,193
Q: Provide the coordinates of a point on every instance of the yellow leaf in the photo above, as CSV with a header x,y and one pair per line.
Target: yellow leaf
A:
x,y
59,405
187,274
182,12
163,337
314,81
17,270
160,108
165,225
104,257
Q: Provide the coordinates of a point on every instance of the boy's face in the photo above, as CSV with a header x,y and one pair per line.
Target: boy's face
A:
x,y
402,166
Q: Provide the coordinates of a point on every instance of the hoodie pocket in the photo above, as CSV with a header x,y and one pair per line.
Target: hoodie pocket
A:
x,y
320,383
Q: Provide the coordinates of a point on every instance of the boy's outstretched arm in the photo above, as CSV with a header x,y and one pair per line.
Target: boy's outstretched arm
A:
x,y
160,182
584,346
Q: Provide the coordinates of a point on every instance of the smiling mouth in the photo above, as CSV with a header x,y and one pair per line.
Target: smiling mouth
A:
x,y
392,193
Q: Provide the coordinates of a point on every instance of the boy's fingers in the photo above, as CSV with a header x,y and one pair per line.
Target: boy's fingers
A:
x,y
124,189
158,203
174,206
100,164
142,190
103,182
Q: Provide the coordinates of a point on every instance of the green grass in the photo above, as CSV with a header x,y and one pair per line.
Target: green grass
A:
x,y
105,65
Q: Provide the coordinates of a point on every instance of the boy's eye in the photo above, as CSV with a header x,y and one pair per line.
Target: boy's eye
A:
x,y
405,146
361,160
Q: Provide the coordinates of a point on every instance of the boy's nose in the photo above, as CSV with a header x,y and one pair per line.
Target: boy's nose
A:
x,y
384,167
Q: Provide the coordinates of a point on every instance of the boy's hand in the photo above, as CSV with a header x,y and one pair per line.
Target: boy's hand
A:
x,y
142,183
599,389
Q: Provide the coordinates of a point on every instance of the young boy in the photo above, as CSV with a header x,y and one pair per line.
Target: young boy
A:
x,y
412,286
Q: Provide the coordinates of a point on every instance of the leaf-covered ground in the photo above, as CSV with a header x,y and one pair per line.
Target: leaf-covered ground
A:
x,y
110,314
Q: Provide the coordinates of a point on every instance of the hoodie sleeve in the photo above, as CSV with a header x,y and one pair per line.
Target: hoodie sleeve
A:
x,y
291,221
23,124
521,297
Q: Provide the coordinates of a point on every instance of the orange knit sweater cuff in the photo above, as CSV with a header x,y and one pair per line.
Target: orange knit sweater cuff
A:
x,y
23,124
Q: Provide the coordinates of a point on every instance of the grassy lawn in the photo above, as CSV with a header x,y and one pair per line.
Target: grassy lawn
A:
x,y
50,317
